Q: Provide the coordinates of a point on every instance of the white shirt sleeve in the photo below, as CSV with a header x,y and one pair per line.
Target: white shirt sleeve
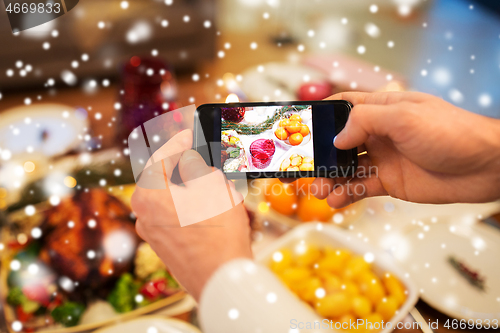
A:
x,y
244,297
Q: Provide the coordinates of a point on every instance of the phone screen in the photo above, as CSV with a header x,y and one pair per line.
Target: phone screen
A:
x,y
278,140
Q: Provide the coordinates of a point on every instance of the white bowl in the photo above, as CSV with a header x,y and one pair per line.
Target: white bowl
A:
x,y
321,234
285,143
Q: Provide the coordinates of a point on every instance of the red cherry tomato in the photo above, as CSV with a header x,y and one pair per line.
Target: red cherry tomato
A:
x,y
155,288
21,315
37,293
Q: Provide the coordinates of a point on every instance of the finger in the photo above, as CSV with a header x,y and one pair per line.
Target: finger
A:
x,y
287,180
171,151
192,166
378,98
322,187
354,97
366,120
355,190
139,229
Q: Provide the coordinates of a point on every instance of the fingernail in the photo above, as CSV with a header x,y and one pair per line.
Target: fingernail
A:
x,y
187,136
335,138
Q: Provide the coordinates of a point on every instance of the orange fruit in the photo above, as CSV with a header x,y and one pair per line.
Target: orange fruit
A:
x,y
311,208
295,139
284,123
304,130
302,186
281,197
293,127
281,133
296,117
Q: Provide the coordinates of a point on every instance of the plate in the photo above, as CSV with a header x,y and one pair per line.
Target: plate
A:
x,y
50,129
285,143
295,150
151,324
321,234
24,224
10,315
427,258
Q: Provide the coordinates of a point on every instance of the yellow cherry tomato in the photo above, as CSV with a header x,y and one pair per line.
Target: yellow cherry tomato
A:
x,y
335,305
387,307
347,319
394,287
293,275
281,260
332,283
373,321
356,266
361,306
306,254
350,288
373,291
367,276
307,291
334,260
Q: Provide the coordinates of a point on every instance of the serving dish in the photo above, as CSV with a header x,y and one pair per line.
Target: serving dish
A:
x,y
323,235
151,324
60,260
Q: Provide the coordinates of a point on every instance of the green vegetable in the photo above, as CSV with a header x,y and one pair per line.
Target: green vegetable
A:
x,y
122,297
27,256
68,314
233,152
30,306
144,302
162,273
13,279
16,296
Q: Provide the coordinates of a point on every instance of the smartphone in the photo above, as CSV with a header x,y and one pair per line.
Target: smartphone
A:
x,y
275,139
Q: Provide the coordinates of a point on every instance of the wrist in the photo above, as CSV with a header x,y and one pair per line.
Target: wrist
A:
x,y
493,153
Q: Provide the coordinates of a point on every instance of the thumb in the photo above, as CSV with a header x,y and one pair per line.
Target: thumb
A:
x,y
192,166
365,120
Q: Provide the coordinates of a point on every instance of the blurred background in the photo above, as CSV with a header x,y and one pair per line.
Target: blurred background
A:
x,y
72,89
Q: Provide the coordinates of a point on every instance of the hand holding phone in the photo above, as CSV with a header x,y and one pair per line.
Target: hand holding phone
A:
x,y
274,140
419,148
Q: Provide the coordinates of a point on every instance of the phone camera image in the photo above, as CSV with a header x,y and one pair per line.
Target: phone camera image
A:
x,y
274,140
267,138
